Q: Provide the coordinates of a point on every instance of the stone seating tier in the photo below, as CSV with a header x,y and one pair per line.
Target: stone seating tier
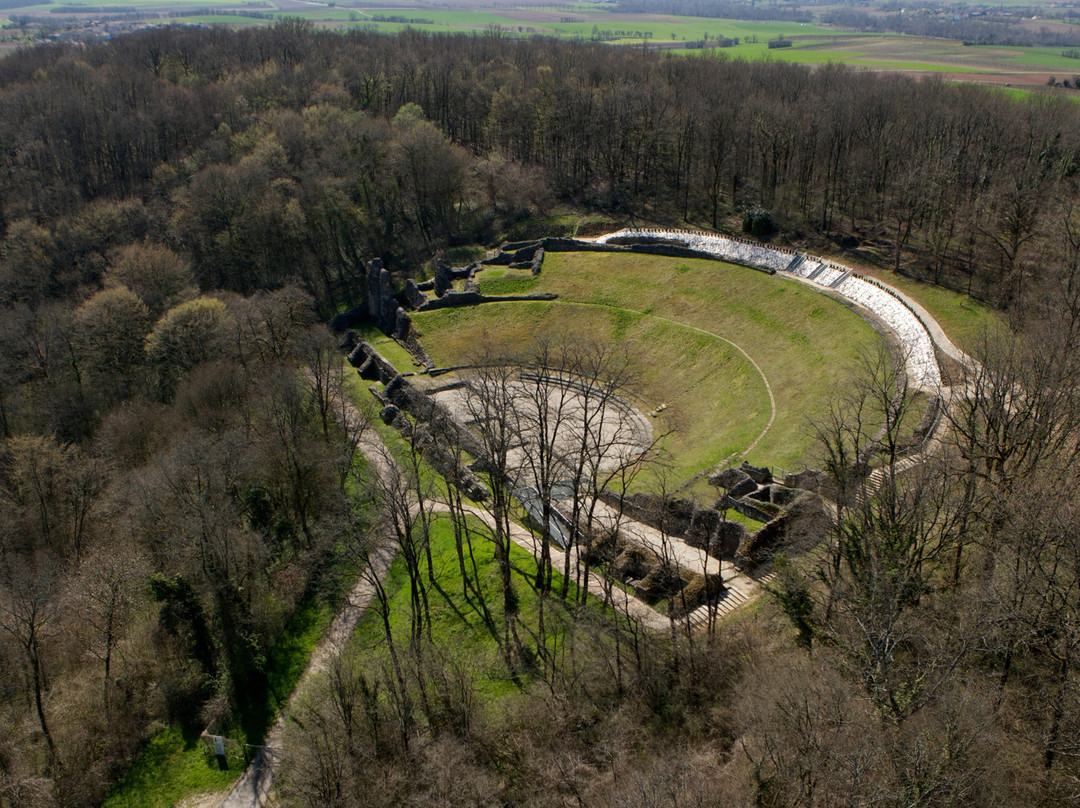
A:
x,y
889,308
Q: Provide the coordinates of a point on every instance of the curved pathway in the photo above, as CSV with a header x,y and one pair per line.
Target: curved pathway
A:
x,y
252,790
735,345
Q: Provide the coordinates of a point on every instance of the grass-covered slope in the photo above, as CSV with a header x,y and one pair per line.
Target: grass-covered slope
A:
x,y
653,307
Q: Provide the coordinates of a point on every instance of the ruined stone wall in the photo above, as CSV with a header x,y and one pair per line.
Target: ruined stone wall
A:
x,y
370,364
452,299
682,518
434,426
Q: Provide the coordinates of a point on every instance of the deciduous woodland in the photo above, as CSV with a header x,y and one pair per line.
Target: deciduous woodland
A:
x,y
182,501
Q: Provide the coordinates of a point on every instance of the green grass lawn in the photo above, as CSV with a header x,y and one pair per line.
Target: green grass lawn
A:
x,y
510,282
1045,57
458,624
391,350
717,403
174,765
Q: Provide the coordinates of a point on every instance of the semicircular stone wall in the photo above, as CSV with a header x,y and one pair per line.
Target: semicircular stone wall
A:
x,y
886,306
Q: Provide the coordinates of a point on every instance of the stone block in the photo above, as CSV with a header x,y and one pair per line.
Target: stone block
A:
x,y
413,298
760,475
808,480
729,478
747,487
729,538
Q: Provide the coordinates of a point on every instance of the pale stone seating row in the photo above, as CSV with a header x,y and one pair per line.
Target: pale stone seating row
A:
x,y
922,363
828,276
890,309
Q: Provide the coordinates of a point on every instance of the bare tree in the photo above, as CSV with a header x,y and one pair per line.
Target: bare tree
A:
x,y
491,410
106,592
544,408
602,439
373,553
28,613
51,492
402,496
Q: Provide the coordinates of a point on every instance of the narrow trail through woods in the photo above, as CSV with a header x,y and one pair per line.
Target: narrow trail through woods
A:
x,y
252,790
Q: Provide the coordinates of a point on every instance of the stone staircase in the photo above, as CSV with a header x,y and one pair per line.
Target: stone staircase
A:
x,y
879,475
728,602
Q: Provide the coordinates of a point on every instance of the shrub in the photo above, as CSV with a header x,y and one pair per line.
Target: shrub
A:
x,y
758,222
663,581
633,562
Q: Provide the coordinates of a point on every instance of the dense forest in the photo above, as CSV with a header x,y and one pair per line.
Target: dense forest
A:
x,y
181,207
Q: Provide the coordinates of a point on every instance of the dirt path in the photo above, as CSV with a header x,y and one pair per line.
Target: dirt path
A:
x,y
253,789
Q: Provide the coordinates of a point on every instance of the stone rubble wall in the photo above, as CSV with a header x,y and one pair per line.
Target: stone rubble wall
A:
x,y
452,299
683,519
432,426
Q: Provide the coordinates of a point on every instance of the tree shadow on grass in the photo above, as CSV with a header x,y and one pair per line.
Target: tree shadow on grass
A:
x,y
483,614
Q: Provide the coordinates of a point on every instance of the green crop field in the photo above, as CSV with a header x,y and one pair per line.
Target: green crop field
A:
x,y
674,318
812,44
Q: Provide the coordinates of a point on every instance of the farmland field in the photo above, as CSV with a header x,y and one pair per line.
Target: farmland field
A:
x,y
811,44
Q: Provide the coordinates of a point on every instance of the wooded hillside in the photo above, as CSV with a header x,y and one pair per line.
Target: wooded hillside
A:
x,y
179,209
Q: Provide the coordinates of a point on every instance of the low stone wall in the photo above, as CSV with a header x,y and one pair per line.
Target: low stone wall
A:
x,y
808,480
432,427
537,263
749,509
452,299
437,454
798,524
555,244
506,256
760,543
370,364
531,256
682,518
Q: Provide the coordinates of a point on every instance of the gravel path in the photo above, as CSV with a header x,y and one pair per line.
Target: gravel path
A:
x,y
253,789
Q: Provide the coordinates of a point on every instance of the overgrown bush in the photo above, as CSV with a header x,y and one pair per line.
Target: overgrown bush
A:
x,y
758,222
